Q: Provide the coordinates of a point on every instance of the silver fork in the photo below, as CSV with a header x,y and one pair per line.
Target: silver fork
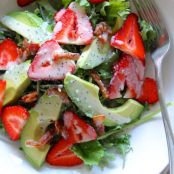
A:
x,y
148,10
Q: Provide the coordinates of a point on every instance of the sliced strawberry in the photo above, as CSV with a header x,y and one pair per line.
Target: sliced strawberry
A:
x,y
52,62
60,155
73,26
78,130
2,92
149,92
23,3
128,39
9,54
96,1
14,119
130,72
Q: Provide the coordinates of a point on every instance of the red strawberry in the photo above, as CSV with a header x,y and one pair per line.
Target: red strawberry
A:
x,y
73,26
9,54
14,119
149,92
96,1
23,3
2,92
52,62
78,130
130,72
128,39
60,155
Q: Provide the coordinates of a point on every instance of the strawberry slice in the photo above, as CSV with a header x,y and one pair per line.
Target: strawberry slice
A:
x,y
130,72
60,155
128,39
96,1
78,130
23,3
2,92
14,119
9,54
149,92
52,62
73,26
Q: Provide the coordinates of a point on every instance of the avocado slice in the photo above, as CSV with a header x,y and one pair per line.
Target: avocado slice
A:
x,y
94,54
17,81
28,25
85,96
47,109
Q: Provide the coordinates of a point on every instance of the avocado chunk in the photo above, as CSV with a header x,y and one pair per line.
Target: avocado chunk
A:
x,y
47,109
28,25
85,96
17,81
94,54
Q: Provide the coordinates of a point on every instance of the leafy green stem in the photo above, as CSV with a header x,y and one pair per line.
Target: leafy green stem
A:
x,y
144,119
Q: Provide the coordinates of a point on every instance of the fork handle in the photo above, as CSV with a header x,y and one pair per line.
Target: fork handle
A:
x,y
166,122
171,153
164,112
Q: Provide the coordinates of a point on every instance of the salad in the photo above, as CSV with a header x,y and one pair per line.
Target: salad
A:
x,y
73,79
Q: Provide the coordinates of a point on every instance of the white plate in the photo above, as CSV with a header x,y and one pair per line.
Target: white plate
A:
x,y
149,155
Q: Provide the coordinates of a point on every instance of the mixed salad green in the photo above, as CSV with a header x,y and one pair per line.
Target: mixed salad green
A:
x,y
73,79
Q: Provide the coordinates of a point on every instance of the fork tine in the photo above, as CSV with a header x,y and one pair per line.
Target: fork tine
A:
x,y
152,14
147,10
139,10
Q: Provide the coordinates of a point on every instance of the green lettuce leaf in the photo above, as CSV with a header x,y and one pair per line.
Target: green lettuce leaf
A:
x,y
113,9
118,7
90,152
148,33
102,7
66,2
45,11
84,3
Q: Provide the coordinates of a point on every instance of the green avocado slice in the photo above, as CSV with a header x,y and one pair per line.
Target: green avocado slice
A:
x,y
85,96
28,25
47,109
94,54
17,81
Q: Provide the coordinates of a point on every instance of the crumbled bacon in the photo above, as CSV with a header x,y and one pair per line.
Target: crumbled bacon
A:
x,y
98,122
58,91
43,140
28,49
55,128
67,55
101,85
103,31
30,98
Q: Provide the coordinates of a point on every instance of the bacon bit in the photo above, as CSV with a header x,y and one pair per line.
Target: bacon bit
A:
x,y
102,87
103,31
45,139
28,49
60,129
58,91
30,98
98,121
55,128
31,47
68,55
